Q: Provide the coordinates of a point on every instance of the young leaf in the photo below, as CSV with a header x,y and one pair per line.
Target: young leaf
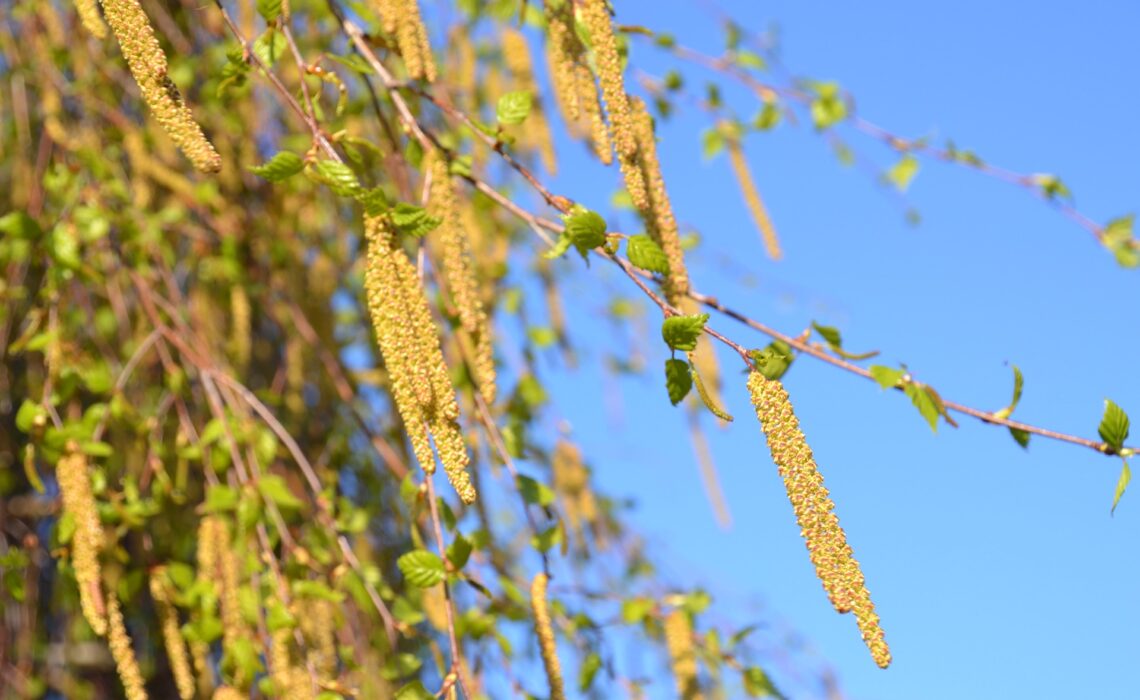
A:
x,y
274,490
459,552
560,247
413,221
902,172
1113,426
337,176
284,164
585,229
706,397
421,568
678,381
1121,485
514,107
589,669
924,402
774,360
1018,384
887,377
644,252
681,332
414,691
1021,436
1117,236
534,492
829,334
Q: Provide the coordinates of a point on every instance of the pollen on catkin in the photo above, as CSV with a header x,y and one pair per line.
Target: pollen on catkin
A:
x,y
123,652
572,482
89,16
516,56
574,85
752,198
459,274
402,18
175,644
544,630
409,344
147,63
682,656
227,693
835,565
595,15
86,543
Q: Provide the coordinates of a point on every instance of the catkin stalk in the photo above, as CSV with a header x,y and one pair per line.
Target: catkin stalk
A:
x,y
834,562
87,542
147,63
545,632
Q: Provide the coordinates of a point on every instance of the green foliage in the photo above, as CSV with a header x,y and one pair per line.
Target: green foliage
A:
x,y
644,252
585,229
678,381
421,568
682,332
901,173
282,165
774,360
1113,428
828,107
514,107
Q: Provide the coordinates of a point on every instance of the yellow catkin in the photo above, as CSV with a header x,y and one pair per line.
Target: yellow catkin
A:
x,y
207,560
172,638
572,481
682,655
516,56
87,541
240,323
122,651
402,18
827,545
318,622
409,344
435,606
752,198
462,65
574,86
459,273
595,15
545,632
147,62
234,627
661,224
290,680
89,15
227,693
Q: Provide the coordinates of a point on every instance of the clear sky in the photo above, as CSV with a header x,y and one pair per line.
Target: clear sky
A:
x,y
997,571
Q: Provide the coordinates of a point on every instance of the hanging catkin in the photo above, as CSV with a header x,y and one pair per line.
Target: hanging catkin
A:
x,y
172,635
409,344
596,16
89,15
682,655
545,633
459,274
536,135
752,198
402,18
147,62
835,565
122,651
86,543
574,84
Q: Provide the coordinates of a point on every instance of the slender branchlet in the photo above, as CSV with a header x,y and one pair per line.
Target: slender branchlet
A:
x,y
660,222
87,542
752,198
545,632
89,15
147,62
172,638
536,135
409,344
122,651
608,62
459,274
827,545
682,655
402,18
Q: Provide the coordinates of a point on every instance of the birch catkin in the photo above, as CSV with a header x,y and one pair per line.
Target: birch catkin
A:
x,y
147,63
87,541
545,632
596,17
172,635
752,198
409,344
402,18
516,56
682,655
574,84
835,565
122,651
89,15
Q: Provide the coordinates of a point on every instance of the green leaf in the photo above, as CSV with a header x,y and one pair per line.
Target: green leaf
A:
x,y
352,62
282,165
270,46
1051,186
26,416
534,492
459,552
337,176
1021,436
1018,384
924,402
274,490
1121,485
712,142
514,107
19,225
635,610
560,247
1117,236
902,172
887,377
644,252
682,332
585,229
269,9
748,59
414,691
221,498
421,568
773,360
1113,426
829,334
414,221
828,108
757,684
768,117
678,380
545,540
588,671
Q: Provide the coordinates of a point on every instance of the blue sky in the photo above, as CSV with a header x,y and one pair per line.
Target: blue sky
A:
x,y
997,571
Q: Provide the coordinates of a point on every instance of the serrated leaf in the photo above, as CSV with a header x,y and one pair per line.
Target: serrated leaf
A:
x,y
682,332
220,498
421,568
337,176
534,492
773,360
274,490
459,551
270,46
678,380
514,107
829,334
924,402
282,165
269,9
1021,436
1121,485
887,377
644,252
585,229
1113,427
414,221
902,172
